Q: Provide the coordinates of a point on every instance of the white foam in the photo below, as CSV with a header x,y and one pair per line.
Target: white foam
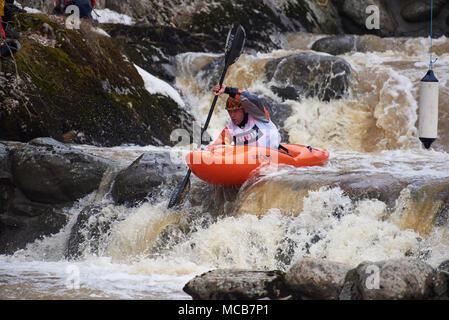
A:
x,y
157,86
110,16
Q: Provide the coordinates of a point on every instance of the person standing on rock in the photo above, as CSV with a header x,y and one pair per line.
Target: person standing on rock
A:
x,y
250,123
8,44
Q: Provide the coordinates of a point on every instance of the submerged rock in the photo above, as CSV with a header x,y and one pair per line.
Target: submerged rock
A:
x,y
228,284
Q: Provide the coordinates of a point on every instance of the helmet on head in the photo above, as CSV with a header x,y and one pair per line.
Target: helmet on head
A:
x,y
233,104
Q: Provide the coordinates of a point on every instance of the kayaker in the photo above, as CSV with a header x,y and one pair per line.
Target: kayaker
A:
x,y
250,122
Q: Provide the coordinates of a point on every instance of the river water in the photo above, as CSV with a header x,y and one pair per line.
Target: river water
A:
x,y
151,252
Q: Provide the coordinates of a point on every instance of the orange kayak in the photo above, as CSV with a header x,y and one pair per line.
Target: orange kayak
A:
x,y
230,165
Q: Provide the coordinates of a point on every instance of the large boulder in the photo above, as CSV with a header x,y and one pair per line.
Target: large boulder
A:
x,y
51,172
308,75
316,279
229,284
419,10
261,19
397,279
79,80
142,178
24,221
355,16
153,48
21,220
315,18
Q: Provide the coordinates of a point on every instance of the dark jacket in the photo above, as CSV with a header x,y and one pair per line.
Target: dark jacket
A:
x,y
85,7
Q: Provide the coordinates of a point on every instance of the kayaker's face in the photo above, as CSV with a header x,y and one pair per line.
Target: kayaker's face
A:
x,y
236,116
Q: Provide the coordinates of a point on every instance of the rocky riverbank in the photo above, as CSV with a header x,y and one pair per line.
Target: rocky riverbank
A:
x,y
316,279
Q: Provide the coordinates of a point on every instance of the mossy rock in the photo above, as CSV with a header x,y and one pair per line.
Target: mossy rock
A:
x,y
78,80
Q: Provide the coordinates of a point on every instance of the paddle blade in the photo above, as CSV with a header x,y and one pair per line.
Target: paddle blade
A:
x,y
234,44
179,194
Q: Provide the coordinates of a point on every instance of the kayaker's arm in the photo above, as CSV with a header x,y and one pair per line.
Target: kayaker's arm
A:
x,y
250,102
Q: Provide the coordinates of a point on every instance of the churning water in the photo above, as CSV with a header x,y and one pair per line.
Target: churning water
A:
x,y
380,196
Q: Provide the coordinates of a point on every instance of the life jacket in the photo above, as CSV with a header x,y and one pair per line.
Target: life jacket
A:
x,y
254,133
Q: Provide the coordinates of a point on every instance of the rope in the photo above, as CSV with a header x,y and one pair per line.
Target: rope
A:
x,y
432,62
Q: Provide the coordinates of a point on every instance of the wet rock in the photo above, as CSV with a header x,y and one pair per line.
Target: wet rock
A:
x,y
21,220
92,224
48,171
227,284
308,75
354,17
381,186
140,181
441,286
397,279
6,184
315,18
106,100
153,48
279,112
419,10
336,45
24,221
316,279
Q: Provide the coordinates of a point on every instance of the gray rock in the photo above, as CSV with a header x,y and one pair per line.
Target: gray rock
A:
x,y
397,279
309,75
336,45
48,171
355,10
24,221
441,285
6,185
143,177
92,224
316,279
419,10
279,112
228,284
315,18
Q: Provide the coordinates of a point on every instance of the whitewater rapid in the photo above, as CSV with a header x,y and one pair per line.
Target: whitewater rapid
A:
x,y
151,252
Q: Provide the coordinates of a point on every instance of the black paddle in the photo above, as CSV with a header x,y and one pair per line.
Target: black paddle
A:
x,y
234,47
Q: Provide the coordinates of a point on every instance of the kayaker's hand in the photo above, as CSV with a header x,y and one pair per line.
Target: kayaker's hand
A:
x,y
218,91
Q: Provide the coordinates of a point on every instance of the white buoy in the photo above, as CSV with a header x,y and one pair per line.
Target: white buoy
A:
x,y
428,109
